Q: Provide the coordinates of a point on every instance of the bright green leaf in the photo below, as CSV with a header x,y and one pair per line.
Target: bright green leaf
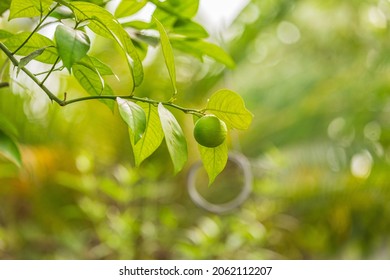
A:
x,y
214,160
129,7
174,137
230,107
168,53
189,29
200,48
105,24
178,8
89,79
134,116
30,8
9,149
152,137
36,42
72,45
96,65
4,5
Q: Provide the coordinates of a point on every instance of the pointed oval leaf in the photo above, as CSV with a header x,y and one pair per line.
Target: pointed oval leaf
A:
x,y
168,53
31,8
134,116
129,7
152,137
72,45
9,149
174,137
89,79
199,48
36,42
214,160
105,24
230,107
189,29
26,60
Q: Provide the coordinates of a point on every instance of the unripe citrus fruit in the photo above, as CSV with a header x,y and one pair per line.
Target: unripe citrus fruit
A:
x,y
209,131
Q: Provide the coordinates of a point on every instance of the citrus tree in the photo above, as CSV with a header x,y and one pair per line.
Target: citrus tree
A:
x,y
62,37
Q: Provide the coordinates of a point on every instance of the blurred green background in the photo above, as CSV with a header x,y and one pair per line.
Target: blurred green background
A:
x,y
316,75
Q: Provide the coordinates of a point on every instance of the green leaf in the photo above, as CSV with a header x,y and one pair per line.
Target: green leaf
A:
x,y
200,48
189,29
105,24
152,137
72,45
25,60
9,149
36,42
168,53
4,5
214,160
30,8
230,107
129,7
96,65
174,137
4,34
178,8
134,116
89,79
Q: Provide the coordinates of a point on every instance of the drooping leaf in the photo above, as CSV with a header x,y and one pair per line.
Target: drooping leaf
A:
x,y
72,45
214,160
174,137
129,7
105,24
230,107
134,116
178,8
152,137
25,60
168,53
137,24
199,48
30,8
89,79
9,149
189,29
36,42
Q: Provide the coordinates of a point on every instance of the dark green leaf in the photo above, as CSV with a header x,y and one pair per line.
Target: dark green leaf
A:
x,y
25,60
134,116
72,45
174,137
36,42
9,149
168,53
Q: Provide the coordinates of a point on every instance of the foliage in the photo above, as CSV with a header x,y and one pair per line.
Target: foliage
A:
x,y
70,46
318,146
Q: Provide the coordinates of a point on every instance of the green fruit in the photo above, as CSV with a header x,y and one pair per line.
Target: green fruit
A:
x,y
209,131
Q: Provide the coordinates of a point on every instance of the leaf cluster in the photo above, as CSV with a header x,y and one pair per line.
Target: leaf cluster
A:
x,y
149,121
